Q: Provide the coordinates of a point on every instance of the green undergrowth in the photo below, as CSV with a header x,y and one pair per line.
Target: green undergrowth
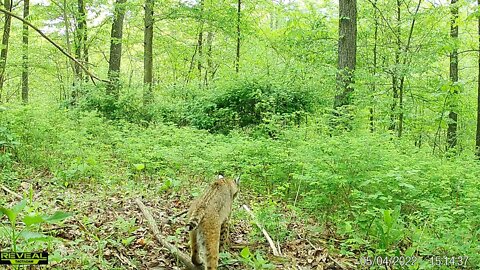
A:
x,y
384,197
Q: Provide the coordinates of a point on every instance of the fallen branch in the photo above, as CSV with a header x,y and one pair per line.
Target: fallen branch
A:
x,y
185,259
11,192
265,233
92,76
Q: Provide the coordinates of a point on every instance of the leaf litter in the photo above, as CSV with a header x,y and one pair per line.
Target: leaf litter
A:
x,y
108,231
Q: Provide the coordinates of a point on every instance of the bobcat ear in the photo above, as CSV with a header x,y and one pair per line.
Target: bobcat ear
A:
x,y
237,180
220,176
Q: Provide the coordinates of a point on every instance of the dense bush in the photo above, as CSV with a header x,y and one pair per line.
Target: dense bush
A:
x,y
128,106
250,103
261,106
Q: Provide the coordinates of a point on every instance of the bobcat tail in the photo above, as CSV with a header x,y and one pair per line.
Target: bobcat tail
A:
x,y
192,224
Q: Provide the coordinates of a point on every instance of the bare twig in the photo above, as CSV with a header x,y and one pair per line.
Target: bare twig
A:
x,y
185,259
11,192
384,19
296,195
265,233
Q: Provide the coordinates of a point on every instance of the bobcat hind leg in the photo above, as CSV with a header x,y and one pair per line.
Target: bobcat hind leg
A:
x,y
225,235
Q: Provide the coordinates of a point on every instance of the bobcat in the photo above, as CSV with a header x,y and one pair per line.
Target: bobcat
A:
x,y
207,219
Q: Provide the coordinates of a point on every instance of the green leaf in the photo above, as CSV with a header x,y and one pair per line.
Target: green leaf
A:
x,y
387,217
245,253
19,206
9,213
128,241
407,185
57,217
166,185
34,236
139,167
30,220
348,227
410,251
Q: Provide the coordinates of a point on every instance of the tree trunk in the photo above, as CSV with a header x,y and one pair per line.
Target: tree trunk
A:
x,y
148,53
402,73
66,21
80,39
6,36
477,141
395,73
200,43
209,71
239,13
347,52
26,11
374,86
84,30
453,116
69,63
113,87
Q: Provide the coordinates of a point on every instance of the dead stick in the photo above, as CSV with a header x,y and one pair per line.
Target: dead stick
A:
x,y
265,233
11,192
185,259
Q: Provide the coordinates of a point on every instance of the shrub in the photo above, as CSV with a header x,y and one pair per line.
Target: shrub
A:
x,y
127,107
251,104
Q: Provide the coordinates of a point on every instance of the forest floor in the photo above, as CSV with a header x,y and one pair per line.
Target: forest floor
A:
x,y
108,231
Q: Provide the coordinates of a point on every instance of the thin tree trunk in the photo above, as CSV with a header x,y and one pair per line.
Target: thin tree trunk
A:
x,y
74,66
347,52
209,57
26,11
148,53
80,38
374,86
239,13
78,51
399,82
6,36
200,42
453,116
113,87
395,75
200,52
67,31
82,25
393,107
402,76
477,139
